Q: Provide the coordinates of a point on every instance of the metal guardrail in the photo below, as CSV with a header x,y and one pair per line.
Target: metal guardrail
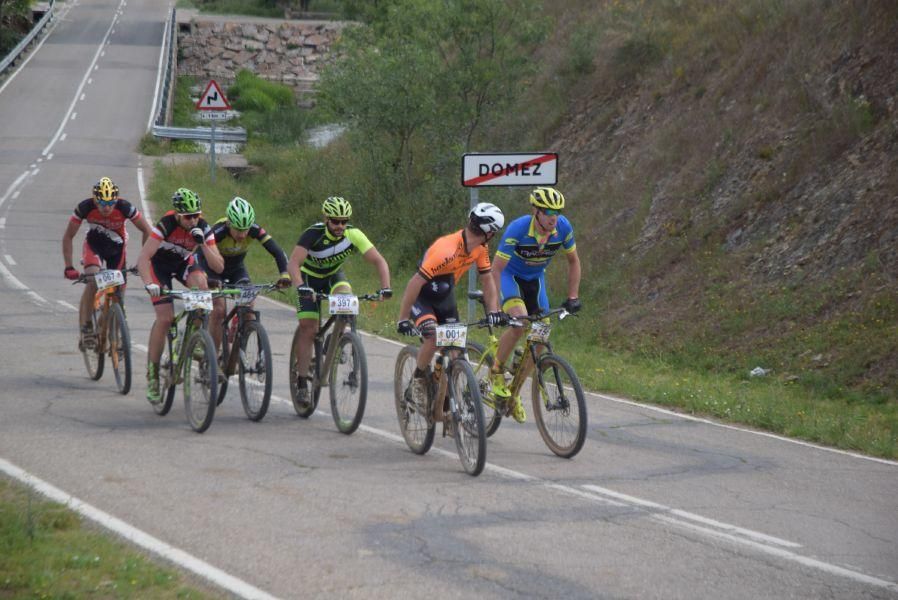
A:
x,y
20,47
200,134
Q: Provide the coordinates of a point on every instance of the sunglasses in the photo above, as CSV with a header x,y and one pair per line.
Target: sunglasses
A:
x,y
550,212
106,204
338,221
190,215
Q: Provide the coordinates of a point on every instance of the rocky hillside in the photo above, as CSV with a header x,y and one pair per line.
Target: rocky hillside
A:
x,y
733,172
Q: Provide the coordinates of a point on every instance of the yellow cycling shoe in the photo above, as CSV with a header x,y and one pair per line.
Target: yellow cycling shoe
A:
x,y
518,413
500,390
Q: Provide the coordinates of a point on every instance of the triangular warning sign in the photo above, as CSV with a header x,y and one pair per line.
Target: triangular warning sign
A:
x,y
213,98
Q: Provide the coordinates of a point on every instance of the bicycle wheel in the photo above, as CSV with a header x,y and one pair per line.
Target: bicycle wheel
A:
x,y
223,380
349,383
254,370
167,378
414,420
559,406
93,357
470,431
481,368
200,380
118,344
304,408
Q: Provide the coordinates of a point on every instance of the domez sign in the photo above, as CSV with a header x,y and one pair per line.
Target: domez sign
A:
x,y
519,168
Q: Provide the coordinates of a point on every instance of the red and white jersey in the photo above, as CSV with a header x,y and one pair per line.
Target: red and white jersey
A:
x,y
177,243
109,227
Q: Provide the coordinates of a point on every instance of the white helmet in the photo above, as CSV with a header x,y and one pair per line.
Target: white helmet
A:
x,y
488,217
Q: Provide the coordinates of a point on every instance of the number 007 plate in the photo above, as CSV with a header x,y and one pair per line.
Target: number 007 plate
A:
x,y
453,335
343,304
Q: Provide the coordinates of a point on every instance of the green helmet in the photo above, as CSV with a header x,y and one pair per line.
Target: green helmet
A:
x,y
240,214
546,197
186,202
336,208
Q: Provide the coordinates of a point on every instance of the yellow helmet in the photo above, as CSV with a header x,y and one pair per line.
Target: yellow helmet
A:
x,y
546,197
105,191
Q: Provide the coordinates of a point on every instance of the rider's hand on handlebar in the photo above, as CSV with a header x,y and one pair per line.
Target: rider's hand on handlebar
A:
x,y
153,290
406,327
572,305
71,273
304,291
198,235
385,293
283,281
496,319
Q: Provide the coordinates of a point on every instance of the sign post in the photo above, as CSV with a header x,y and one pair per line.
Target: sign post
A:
x,y
212,103
509,169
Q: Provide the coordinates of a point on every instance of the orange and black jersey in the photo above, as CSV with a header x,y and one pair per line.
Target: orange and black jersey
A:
x,y
447,260
106,228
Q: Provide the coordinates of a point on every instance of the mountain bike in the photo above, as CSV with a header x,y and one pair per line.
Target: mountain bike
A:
x,y
453,399
338,362
110,328
189,359
245,350
559,406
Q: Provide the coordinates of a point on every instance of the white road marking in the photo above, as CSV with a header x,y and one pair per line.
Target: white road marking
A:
x,y
73,117
2,222
10,260
159,70
36,297
11,279
67,305
56,21
82,97
63,137
141,538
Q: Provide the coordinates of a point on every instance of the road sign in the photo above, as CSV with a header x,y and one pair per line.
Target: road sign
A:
x,y
213,98
517,168
214,115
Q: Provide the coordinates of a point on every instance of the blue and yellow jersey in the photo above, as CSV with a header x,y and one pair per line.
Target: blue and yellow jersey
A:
x,y
527,255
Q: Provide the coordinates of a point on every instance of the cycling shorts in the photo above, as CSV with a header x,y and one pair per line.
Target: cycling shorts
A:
x,y
309,308
103,254
515,290
164,271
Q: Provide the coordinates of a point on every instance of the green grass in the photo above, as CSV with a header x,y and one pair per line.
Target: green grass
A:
x,y
46,551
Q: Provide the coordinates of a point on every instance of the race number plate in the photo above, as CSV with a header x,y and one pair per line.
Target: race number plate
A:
x,y
197,300
246,297
343,304
539,332
453,335
109,278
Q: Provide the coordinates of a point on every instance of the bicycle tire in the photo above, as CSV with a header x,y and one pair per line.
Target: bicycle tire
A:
x,y
93,357
254,370
307,408
118,344
563,431
200,384
415,425
469,425
166,373
349,386
223,361
482,374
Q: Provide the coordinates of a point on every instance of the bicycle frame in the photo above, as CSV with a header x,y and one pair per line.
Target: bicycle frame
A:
x,y
193,319
336,324
242,312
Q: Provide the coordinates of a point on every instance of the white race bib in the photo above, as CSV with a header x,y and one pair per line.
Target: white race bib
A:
x,y
247,296
539,332
197,300
453,335
108,278
343,304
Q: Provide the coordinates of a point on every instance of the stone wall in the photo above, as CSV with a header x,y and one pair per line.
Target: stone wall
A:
x,y
288,52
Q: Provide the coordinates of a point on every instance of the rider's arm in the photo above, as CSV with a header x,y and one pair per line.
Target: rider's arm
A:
x,y
383,269
297,257
213,257
144,226
67,237
573,275
412,289
280,257
499,263
490,295
143,261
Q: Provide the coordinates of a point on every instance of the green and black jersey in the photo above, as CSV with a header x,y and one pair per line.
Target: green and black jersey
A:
x,y
233,251
328,253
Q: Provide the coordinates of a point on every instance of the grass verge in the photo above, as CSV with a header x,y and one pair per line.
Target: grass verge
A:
x,y
46,551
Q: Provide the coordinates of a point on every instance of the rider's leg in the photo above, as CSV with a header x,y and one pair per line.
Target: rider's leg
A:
x,y
304,343
215,319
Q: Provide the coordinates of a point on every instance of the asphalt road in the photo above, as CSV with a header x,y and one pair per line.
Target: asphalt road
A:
x,y
657,505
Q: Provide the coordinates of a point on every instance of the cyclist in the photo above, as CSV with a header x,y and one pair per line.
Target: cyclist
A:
x,y
525,250
233,234
429,297
167,255
105,243
316,266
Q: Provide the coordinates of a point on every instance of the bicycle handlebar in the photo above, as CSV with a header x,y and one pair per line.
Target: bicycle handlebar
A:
x,y
85,277
319,296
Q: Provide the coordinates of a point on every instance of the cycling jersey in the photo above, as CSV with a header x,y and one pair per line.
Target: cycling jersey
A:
x,y
527,257
234,251
326,253
105,229
446,261
177,245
